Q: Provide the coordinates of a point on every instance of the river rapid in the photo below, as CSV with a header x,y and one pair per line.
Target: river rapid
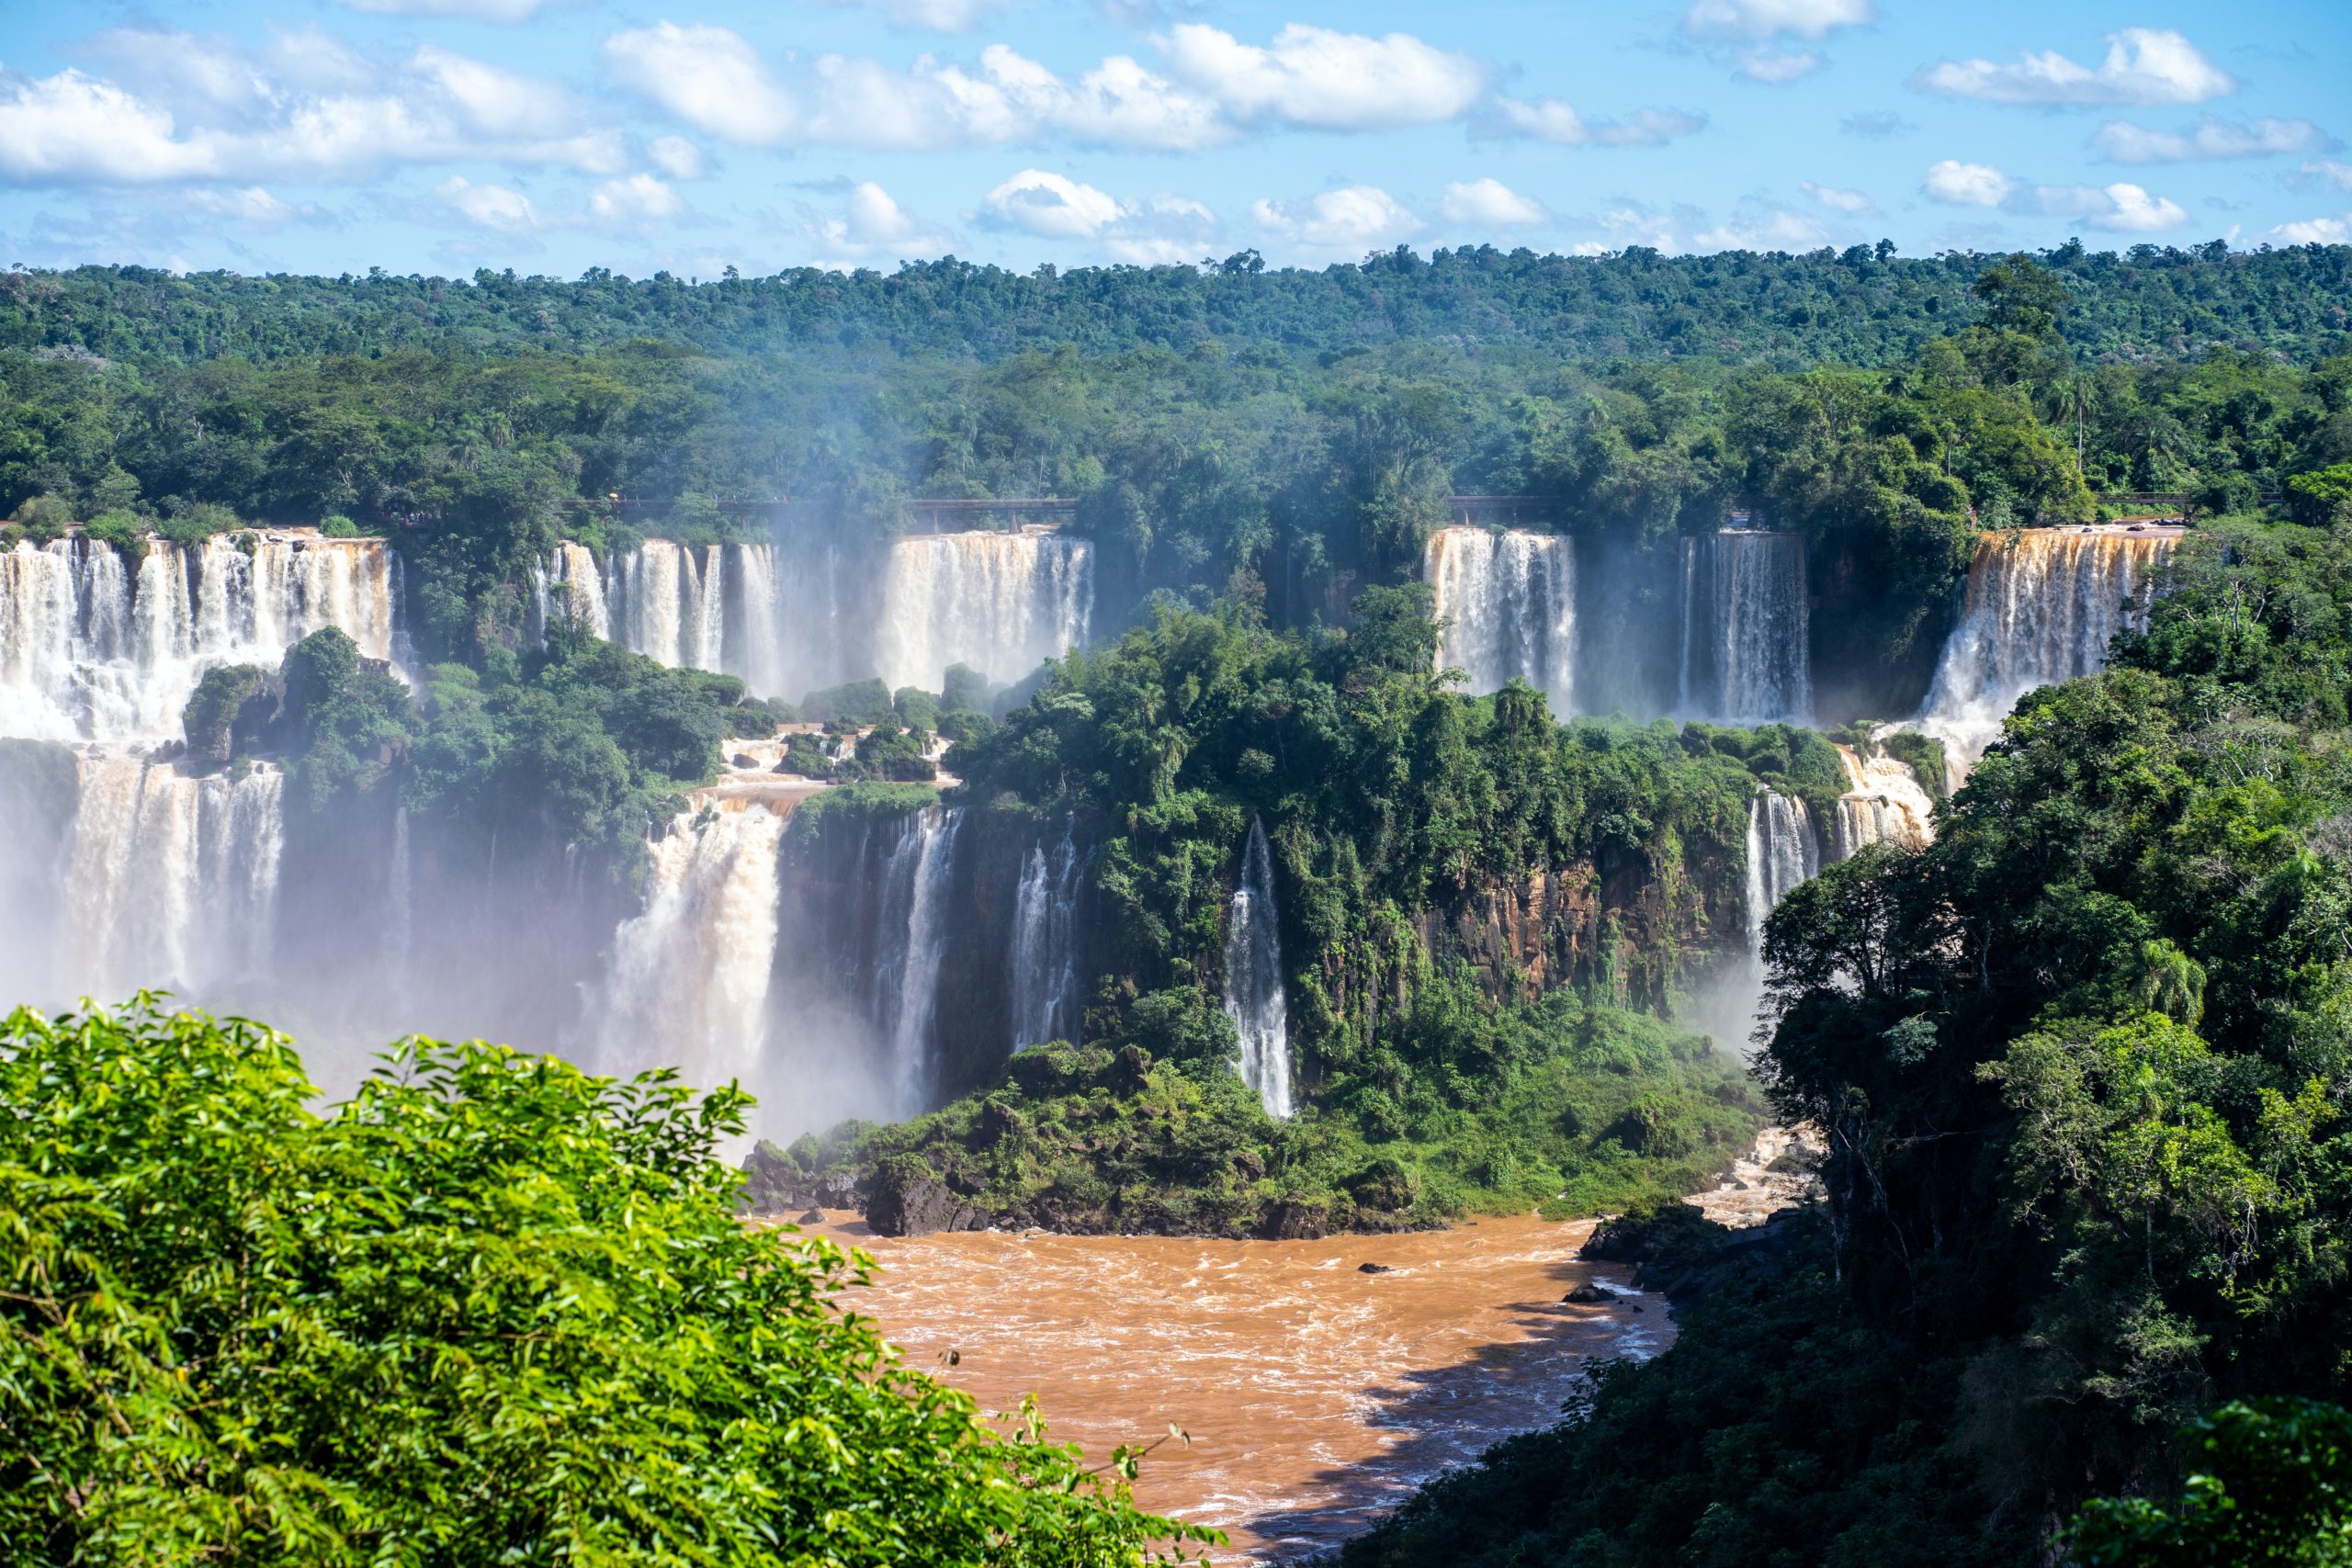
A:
x,y
1317,1396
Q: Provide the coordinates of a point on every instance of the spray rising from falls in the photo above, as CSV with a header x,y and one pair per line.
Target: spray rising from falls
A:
x,y
173,881
690,973
2042,607
1782,853
1000,602
1762,652
1043,963
1253,978
1510,598
95,647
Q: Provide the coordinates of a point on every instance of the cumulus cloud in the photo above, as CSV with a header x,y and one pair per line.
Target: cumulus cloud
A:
x,y
1684,228
1852,202
1351,219
1489,204
1553,120
1324,80
938,16
1161,230
2121,207
2336,174
2211,138
710,77
1775,230
871,225
2313,231
497,207
1762,18
2144,65
676,157
639,199
243,123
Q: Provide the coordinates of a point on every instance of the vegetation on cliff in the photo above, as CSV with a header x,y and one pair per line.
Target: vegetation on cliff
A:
x,y
2081,1065
490,1309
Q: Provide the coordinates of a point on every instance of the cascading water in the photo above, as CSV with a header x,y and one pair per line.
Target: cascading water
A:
x,y
2042,607
1043,963
912,945
715,608
173,880
1883,804
1253,978
1782,853
573,569
1510,602
95,647
1002,603
1763,656
690,973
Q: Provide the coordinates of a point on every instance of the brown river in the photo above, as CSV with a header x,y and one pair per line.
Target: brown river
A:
x,y
1317,1396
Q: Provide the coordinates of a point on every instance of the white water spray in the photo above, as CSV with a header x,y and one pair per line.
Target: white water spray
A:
x,y
1002,603
1253,978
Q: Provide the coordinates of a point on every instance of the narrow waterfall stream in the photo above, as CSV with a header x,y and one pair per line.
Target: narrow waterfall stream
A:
x,y
1762,628
1044,951
913,944
1783,850
1507,601
1253,976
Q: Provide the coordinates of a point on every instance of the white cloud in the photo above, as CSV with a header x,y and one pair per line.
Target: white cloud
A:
x,y
1778,67
1553,120
1967,184
1051,206
71,127
676,157
2121,207
1352,218
252,205
710,77
2336,174
2144,65
1778,229
872,224
494,102
2121,142
1852,202
639,199
2313,231
1762,18
478,10
498,207
1330,81
1489,204
1160,230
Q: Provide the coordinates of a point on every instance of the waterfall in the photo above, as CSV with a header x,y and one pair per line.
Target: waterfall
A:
x,y
756,650
1043,963
1763,658
717,607
2042,607
400,897
94,647
573,569
1685,676
1510,598
1000,602
911,945
1782,853
1883,804
173,881
688,986
1253,978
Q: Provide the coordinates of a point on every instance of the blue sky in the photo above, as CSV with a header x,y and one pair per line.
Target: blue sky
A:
x,y
554,135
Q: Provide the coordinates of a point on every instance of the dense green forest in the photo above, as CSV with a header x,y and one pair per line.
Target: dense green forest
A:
x,y
2080,1064
1864,306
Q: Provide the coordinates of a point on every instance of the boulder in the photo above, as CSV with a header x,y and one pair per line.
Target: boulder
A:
x,y
917,1207
1590,1295
813,1217
1294,1219
1373,1268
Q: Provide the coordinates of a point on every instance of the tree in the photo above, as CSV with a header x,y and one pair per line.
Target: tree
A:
x,y
2020,296
2272,1484
490,1310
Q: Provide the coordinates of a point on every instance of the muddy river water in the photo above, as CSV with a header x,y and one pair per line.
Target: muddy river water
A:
x,y
1317,1396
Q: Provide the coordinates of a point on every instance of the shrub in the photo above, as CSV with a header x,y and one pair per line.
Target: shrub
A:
x,y
335,526
196,521
126,531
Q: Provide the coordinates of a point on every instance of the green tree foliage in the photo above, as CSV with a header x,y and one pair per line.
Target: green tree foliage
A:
x,y
490,1309
2273,1485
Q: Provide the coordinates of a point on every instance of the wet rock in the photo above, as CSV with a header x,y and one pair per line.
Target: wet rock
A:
x,y
742,760
907,1204
1373,1268
1590,1295
1292,1219
813,1217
